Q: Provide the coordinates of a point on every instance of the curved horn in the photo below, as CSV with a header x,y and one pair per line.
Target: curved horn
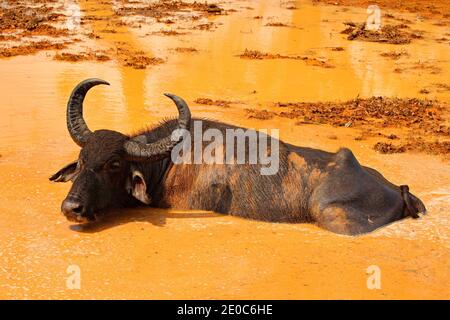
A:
x,y
138,151
78,129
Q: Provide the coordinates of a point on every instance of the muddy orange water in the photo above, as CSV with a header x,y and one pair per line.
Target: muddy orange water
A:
x,y
164,254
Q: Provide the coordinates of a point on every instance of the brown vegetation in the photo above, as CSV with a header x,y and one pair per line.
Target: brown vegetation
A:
x,y
140,61
258,55
83,56
393,34
394,55
420,114
422,118
276,24
30,48
164,9
415,145
185,49
211,102
259,114
163,32
428,66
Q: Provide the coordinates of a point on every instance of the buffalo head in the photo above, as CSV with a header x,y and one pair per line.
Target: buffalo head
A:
x,y
105,173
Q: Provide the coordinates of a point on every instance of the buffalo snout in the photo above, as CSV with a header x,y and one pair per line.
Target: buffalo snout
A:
x,y
73,209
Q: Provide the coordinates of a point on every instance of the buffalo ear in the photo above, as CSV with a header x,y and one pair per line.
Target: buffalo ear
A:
x,y
138,187
67,173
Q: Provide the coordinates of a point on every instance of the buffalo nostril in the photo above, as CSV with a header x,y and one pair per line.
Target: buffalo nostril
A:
x,y
78,210
70,207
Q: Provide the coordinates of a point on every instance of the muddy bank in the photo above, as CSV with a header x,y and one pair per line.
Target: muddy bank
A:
x,y
30,17
167,9
28,27
173,16
436,9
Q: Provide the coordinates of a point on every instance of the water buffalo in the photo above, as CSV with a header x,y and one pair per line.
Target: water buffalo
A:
x,y
331,190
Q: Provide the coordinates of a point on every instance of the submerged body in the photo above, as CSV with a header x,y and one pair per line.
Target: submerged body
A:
x,y
330,189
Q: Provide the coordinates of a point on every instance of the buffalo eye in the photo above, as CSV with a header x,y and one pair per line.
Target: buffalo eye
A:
x,y
114,165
